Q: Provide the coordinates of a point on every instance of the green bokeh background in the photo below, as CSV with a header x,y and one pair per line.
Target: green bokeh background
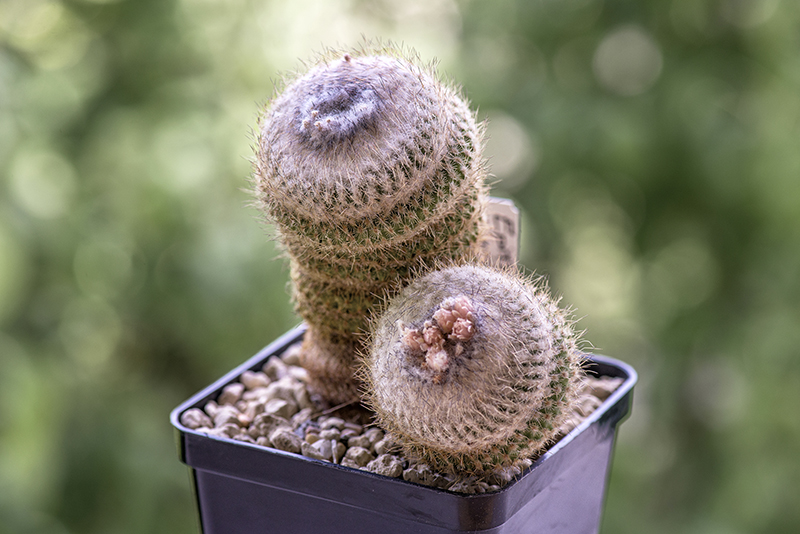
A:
x,y
653,147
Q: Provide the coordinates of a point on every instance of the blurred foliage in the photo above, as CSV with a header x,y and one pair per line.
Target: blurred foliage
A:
x,y
651,145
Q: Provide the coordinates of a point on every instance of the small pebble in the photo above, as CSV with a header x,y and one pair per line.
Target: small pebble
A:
x,y
226,414
442,481
284,439
374,435
503,476
358,429
302,416
275,368
339,449
253,380
359,455
298,373
195,418
211,408
253,409
332,422
321,450
257,394
291,356
387,465
265,423
418,473
281,408
302,397
231,393
245,420
282,389
466,485
359,441
347,462
386,446
312,437
348,433
331,433
423,474
325,448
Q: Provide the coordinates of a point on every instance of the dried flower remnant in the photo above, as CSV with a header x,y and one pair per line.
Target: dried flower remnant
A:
x,y
441,339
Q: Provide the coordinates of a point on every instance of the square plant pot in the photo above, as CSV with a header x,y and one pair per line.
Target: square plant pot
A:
x,y
246,488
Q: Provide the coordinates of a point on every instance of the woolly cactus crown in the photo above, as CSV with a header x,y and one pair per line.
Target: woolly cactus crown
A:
x,y
328,138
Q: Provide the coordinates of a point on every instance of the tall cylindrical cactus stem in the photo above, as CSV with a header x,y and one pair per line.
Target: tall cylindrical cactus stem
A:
x,y
472,368
371,170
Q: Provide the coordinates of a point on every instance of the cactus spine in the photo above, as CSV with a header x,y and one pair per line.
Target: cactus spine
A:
x,y
371,170
471,368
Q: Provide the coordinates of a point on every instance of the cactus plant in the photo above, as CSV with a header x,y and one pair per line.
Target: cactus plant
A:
x,y
371,170
471,368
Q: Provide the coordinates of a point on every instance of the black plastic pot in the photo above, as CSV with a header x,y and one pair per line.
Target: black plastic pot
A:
x,y
245,488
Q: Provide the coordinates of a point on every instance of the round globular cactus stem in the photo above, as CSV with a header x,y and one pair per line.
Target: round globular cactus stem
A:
x,y
472,368
371,170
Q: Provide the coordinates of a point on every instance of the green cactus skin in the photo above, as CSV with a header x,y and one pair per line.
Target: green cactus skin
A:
x,y
371,170
471,368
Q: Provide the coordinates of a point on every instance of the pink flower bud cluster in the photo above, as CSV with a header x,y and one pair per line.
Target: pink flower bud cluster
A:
x,y
455,318
453,321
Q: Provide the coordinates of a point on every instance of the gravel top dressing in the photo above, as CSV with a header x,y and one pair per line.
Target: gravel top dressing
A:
x,y
273,408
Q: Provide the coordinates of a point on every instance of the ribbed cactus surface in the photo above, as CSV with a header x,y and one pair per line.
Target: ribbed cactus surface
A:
x,y
371,170
471,368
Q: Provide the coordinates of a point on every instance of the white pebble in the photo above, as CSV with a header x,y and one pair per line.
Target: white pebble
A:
x,y
253,380
195,418
231,393
281,408
275,368
284,439
226,415
292,355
